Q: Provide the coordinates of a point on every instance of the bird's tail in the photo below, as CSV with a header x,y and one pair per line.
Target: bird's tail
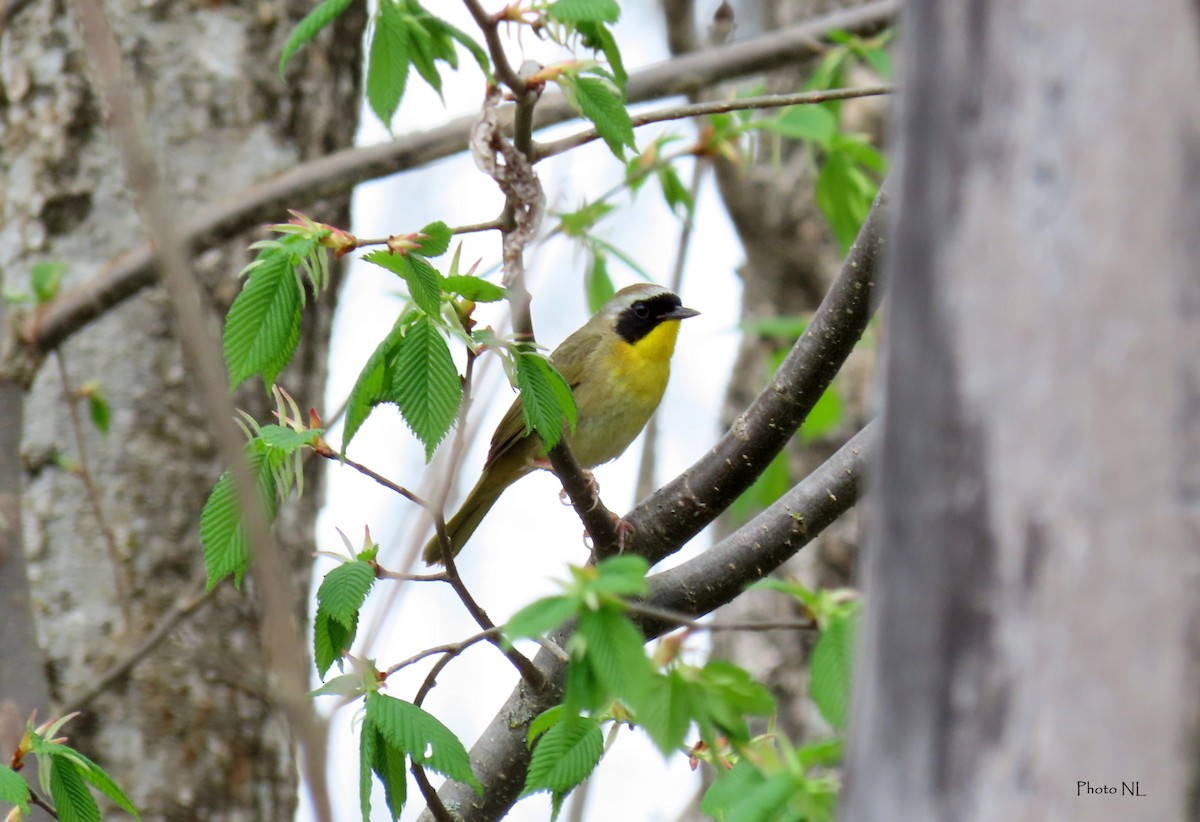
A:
x,y
463,524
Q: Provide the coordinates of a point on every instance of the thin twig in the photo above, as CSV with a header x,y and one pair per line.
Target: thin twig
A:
x,y
432,801
121,582
450,648
431,679
543,150
329,454
36,799
490,27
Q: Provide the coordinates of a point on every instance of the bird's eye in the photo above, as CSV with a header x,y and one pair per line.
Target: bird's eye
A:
x,y
641,310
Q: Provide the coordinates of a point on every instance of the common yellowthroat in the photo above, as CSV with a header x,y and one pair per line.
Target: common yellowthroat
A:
x,y
617,365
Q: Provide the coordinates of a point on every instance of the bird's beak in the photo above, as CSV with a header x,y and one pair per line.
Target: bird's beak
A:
x,y
680,313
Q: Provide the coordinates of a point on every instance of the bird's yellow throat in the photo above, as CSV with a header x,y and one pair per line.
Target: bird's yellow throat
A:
x,y
643,366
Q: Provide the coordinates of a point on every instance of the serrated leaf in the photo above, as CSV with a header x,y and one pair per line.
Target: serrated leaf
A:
x,y
584,11
597,37
624,575
540,617
665,713
423,281
368,738
331,640
602,105
615,650
387,68
408,728
72,800
373,385
583,691
101,781
547,403
388,764
832,670
474,288
477,51
725,694
13,789
565,755
730,788
344,590
544,721
597,284
262,327
285,440
437,239
815,123
222,534
426,384
674,191
309,27
46,279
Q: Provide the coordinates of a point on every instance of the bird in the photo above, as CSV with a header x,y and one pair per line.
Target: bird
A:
x,y
617,365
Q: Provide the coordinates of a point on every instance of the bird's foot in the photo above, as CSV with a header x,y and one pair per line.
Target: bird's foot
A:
x,y
623,527
593,490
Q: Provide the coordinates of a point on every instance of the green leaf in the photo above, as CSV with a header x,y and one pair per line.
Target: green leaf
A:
x,y
368,738
285,440
222,533
597,37
597,283
583,691
344,590
423,56
263,324
815,123
477,51
674,191
732,795
72,799
544,721
307,29
602,104
825,417
437,239
665,713
725,695
408,728
584,11
13,789
426,384
540,617
388,764
47,280
861,152
832,669
615,650
579,223
98,410
373,385
331,640
423,281
771,484
878,59
474,288
564,755
387,68
104,783
547,403
842,197
623,575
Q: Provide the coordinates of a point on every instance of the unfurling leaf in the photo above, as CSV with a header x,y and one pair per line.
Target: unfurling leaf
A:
x,y
222,533
387,68
547,403
599,102
344,590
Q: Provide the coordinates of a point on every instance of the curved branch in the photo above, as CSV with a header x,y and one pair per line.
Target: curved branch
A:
x,y
336,174
681,508
501,756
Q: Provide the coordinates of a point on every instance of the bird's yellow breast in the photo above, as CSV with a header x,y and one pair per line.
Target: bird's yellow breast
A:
x,y
644,366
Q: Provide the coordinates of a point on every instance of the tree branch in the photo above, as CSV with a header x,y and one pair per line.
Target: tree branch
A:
x,y
501,757
677,511
543,150
336,174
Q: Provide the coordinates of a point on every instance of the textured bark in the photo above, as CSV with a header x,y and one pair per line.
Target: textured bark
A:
x,y
1033,624
190,732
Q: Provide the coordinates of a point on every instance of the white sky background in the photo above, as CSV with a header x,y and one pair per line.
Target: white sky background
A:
x,y
528,539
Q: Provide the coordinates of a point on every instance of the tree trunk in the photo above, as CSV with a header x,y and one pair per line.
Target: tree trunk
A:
x,y
1032,585
190,730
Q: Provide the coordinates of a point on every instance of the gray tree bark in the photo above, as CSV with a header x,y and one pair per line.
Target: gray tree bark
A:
x,y
189,731
1033,623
